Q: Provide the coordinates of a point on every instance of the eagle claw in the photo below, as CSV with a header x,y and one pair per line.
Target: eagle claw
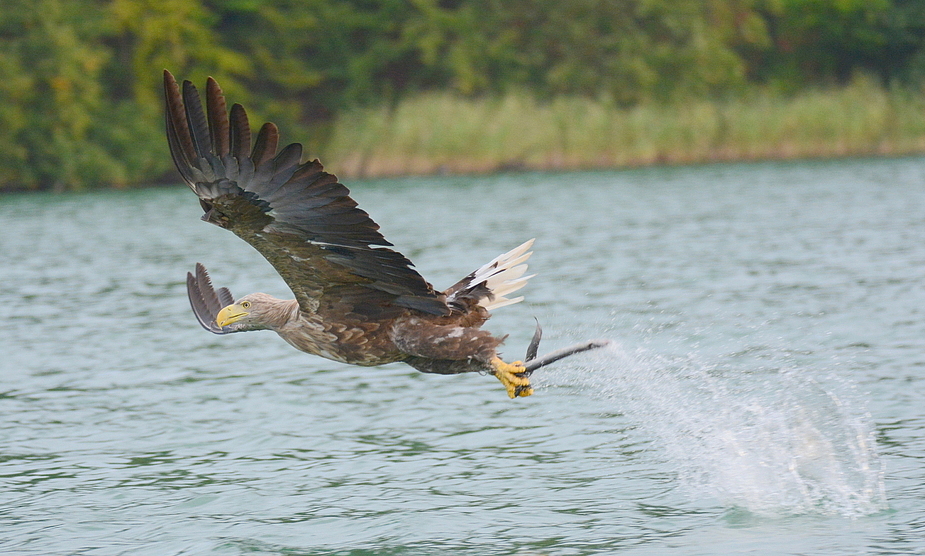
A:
x,y
513,376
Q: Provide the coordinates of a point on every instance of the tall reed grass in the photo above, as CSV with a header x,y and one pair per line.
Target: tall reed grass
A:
x,y
440,132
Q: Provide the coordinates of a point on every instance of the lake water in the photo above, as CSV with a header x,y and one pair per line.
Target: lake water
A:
x,y
765,392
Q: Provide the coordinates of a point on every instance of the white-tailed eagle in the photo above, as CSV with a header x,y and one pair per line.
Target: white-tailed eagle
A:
x,y
356,300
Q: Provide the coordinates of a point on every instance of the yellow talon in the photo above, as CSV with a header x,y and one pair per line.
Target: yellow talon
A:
x,y
512,377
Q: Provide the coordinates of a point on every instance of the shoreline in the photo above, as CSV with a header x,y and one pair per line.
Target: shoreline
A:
x,y
347,178
443,134
425,169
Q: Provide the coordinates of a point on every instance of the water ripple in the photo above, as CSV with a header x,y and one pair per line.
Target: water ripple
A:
x,y
766,398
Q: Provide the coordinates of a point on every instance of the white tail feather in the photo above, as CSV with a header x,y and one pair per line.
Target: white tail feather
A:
x,y
504,275
502,302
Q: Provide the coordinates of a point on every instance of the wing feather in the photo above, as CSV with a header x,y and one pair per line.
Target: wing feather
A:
x,y
240,133
295,214
198,125
207,302
266,144
178,135
219,127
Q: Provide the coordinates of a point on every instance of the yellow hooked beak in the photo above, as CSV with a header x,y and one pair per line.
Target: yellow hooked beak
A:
x,y
230,315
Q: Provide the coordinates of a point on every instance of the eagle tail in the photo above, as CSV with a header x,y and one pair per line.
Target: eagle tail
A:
x,y
489,285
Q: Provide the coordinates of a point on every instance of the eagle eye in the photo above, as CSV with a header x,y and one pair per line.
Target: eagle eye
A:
x,y
245,304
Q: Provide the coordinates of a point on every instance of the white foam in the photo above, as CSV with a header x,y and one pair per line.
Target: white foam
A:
x,y
770,441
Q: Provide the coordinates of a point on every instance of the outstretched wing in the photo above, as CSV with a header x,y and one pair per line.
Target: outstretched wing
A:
x,y
295,214
207,301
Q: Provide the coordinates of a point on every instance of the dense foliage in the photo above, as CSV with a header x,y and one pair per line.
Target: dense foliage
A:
x,y
79,79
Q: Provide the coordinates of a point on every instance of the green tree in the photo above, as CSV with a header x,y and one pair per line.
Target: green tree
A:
x,y
80,100
628,50
312,58
50,63
146,37
827,41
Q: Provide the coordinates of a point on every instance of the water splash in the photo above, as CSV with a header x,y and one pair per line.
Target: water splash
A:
x,y
771,441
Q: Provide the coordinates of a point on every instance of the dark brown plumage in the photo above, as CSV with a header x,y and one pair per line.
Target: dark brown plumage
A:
x,y
356,300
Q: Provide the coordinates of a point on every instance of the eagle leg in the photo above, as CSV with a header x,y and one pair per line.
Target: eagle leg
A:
x,y
513,376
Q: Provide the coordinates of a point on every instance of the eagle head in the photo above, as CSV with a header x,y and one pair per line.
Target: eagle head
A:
x,y
255,311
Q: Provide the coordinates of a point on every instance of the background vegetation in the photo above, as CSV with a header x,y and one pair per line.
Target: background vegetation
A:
x,y
394,86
